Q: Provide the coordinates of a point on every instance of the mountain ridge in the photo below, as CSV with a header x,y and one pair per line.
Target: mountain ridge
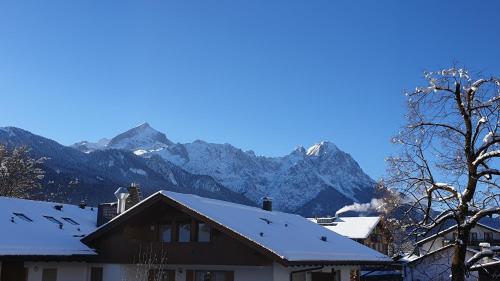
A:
x,y
292,180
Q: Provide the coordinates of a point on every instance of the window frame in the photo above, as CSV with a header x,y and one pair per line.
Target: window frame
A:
x,y
70,220
96,270
488,236
23,217
53,220
45,270
178,231
473,237
198,232
212,278
160,232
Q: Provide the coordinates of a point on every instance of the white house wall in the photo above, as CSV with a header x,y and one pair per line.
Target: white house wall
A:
x,y
119,272
435,267
66,271
79,271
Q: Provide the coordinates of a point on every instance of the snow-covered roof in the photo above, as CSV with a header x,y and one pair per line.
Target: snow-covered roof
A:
x,y
449,229
32,232
413,258
290,237
352,227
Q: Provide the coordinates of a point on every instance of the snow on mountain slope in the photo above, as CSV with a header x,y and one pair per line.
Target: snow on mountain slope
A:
x,y
297,182
72,176
87,147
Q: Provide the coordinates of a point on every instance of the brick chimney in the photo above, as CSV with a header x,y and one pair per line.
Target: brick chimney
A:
x,y
135,195
267,204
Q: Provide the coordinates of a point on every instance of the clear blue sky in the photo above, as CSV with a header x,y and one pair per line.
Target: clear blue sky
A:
x,y
262,75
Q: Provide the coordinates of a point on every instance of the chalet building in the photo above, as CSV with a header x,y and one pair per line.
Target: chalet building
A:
x,y
172,236
369,231
433,255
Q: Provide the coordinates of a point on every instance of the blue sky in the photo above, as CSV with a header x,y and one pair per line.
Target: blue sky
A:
x,y
261,75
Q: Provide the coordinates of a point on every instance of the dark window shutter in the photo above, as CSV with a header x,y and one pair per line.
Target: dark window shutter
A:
x,y
171,275
96,274
229,275
151,275
189,275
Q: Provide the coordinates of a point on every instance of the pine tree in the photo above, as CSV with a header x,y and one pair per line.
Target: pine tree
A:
x,y
19,173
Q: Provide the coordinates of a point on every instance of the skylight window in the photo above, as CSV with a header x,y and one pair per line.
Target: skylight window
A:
x,y
70,220
23,217
52,219
266,220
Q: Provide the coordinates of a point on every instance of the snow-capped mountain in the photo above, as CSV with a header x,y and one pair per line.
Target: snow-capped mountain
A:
x,y
72,175
315,181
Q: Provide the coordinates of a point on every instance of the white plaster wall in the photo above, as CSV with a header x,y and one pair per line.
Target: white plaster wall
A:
x,y
66,271
241,273
77,271
434,267
281,273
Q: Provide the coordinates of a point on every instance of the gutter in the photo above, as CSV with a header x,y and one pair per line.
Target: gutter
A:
x,y
303,270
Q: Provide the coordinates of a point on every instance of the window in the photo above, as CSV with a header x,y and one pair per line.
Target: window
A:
x,y
23,217
488,236
49,274
52,219
184,232
165,232
70,220
336,275
96,274
473,236
203,232
161,275
214,276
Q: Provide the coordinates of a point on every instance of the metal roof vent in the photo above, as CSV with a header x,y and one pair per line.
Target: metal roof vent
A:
x,y
121,195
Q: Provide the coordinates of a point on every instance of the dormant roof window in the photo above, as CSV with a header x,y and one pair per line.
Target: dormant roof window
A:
x,y
23,217
52,219
70,220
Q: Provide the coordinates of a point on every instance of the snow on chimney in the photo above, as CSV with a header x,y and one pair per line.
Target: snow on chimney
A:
x,y
121,194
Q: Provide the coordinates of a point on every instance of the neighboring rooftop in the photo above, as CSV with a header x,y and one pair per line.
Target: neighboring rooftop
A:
x,y
352,227
449,229
44,228
289,237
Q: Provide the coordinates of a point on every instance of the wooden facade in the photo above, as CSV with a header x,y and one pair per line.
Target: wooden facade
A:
x,y
378,239
139,238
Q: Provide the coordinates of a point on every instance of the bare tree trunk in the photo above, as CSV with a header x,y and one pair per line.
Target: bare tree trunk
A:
x,y
458,261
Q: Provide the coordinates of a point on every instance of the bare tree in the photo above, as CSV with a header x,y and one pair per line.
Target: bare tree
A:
x,y
19,173
447,165
149,264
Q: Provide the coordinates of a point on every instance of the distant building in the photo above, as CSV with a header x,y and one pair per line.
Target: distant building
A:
x,y
481,233
433,254
172,236
369,231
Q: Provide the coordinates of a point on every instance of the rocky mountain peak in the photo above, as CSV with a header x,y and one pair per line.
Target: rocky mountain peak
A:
x,y
142,137
302,181
322,148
